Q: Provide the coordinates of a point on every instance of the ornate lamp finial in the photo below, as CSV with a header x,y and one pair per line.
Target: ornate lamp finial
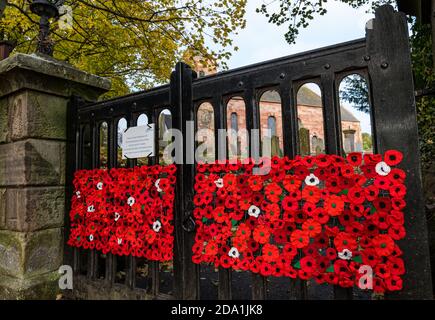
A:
x,y
46,10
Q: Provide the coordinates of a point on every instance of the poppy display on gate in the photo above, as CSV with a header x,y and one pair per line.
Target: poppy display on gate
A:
x,y
316,217
124,211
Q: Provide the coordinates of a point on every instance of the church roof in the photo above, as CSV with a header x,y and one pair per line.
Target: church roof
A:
x,y
346,115
308,97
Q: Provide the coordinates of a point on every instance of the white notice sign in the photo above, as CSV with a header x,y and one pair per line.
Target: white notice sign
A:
x,y
138,142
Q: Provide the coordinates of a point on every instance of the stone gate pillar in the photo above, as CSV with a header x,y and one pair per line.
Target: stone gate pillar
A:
x,y
34,94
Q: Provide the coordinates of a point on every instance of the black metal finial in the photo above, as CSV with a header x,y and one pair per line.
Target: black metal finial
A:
x,y
46,10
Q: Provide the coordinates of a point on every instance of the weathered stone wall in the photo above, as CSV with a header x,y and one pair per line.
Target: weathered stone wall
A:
x,y
34,96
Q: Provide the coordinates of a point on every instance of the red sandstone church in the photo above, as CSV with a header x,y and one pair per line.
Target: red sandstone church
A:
x,y
310,120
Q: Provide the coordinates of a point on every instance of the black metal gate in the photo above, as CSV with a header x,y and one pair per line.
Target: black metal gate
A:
x,y
383,58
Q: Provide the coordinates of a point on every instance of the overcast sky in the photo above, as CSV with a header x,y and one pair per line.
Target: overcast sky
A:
x,y
261,40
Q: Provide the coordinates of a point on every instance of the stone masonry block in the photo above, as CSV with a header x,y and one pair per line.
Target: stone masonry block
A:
x,y
43,251
4,130
32,162
31,209
2,208
48,75
34,95
41,287
37,115
27,254
11,253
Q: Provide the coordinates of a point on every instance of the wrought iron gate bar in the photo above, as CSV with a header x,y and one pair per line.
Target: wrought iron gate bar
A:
x,y
383,58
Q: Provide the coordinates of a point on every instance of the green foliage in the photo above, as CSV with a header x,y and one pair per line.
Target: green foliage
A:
x,y
135,43
367,141
357,259
299,13
424,78
355,91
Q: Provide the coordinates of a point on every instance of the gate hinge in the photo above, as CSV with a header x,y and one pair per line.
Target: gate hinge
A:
x,y
188,222
425,92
